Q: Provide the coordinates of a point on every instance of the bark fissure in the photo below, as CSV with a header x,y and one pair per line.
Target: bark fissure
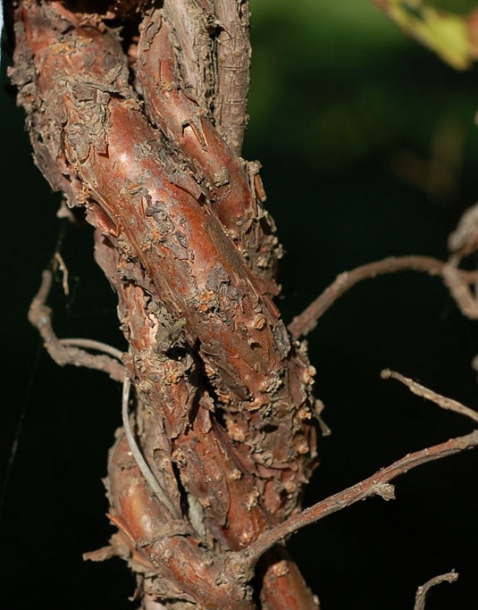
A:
x,y
142,129
223,411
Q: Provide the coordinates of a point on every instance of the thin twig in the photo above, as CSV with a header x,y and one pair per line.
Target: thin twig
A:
x,y
60,350
64,269
138,456
63,352
460,292
93,344
307,320
420,390
436,580
377,484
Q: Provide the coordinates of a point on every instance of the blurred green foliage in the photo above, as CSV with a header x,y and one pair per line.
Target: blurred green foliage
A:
x,y
340,97
347,74
456,6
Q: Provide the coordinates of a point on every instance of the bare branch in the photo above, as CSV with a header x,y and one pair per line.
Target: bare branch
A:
x,y
420,390
377,484
436,580
99,346
460,292
64,269
307,320
40,317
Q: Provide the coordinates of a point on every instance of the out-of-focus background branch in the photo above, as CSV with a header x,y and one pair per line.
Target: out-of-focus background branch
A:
x,y
368,150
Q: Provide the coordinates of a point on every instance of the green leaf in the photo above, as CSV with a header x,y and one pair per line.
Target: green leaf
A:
x,y
447,34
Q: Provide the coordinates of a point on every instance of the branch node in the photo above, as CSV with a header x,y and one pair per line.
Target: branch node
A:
x,y
385,490
66,351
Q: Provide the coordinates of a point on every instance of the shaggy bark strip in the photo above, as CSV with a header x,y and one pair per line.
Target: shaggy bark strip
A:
x,y
224,407
206,475
223,505
236,196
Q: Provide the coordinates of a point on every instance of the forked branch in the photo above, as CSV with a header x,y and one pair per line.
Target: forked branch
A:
x,y
376,485
307,320
66,351
63,352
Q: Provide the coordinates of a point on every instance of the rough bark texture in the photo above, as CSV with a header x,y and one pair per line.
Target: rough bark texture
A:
x,y
144,134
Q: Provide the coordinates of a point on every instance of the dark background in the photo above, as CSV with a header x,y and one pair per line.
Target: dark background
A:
x,y
368,149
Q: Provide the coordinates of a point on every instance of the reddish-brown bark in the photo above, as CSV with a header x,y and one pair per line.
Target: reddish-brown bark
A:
x,y
224,408
236,200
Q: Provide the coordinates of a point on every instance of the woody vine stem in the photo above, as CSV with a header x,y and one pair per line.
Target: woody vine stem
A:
x,y
378,484
143,134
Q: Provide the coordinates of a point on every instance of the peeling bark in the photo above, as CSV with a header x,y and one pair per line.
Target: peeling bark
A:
x,y
146,139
